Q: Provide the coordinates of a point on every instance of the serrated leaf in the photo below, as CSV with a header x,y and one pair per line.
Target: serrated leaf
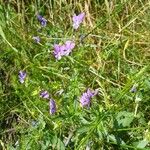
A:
x,y
83,129
56,142
115,140
60,145
125,118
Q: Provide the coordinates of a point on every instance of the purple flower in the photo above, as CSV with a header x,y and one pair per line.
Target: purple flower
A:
x,y
22,75
44,94
77,20
42,20
85,99
69,45
63,50
36,39
52,106
134,88
58,51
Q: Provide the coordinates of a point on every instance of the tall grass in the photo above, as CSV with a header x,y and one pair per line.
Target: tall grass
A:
x,y
111,54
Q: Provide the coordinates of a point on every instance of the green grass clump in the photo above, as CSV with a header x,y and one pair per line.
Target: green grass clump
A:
x,y
112,54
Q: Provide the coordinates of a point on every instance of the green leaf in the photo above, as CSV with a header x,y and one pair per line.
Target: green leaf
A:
x,y
83,129
142,144
60,145
125,118
4,38
114,139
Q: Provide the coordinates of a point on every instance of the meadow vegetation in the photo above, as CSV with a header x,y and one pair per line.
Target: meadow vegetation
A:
x,y
111,55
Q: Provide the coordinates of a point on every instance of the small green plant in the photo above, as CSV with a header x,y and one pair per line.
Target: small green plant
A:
x,y
74,75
